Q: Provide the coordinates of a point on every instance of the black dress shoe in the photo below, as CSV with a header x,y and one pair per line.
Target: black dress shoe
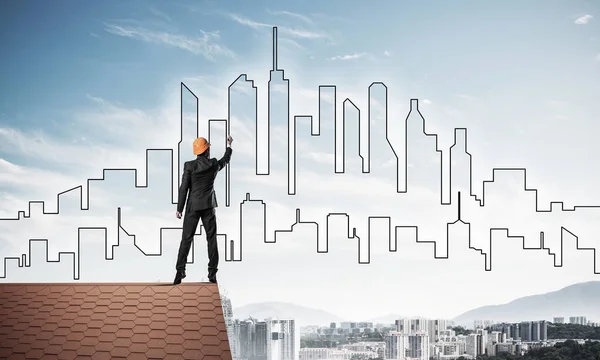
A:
x,y
212,278
178,277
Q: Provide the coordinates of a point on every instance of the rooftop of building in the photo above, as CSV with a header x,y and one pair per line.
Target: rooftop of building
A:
x,y
112,320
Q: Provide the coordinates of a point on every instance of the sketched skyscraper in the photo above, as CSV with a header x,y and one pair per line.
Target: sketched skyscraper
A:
x,y
279,111
241,112
189,113
423,158
252,212
217,137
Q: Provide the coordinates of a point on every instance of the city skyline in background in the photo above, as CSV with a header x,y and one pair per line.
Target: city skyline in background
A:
x,y
115,148
275,338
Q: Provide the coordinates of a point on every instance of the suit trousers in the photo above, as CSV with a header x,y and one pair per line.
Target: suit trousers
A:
x,y
190,223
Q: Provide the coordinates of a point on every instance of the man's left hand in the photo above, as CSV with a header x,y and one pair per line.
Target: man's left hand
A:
x,y
178,214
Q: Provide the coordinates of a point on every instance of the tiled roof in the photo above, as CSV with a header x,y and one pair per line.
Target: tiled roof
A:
x,y
108,321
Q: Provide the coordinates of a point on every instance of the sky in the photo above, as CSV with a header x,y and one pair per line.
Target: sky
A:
x,y
90,86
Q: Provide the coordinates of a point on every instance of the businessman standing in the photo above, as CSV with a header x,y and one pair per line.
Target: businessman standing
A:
x,y
197,186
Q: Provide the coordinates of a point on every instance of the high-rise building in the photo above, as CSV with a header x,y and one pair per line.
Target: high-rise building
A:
x,y
395,347
407,346
482,324
494,338
435,327
515,332
417,346
246,339
558,320
505,348
543,330
482,341
229,324
347,325
579,320
526,331
260,340
235,334
314,354
535,331
283,341
412,325
472,343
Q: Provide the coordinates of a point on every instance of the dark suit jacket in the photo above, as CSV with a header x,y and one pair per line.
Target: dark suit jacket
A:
x,y
198,180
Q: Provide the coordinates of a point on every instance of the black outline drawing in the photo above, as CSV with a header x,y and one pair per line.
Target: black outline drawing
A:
x,y
228,169
232,249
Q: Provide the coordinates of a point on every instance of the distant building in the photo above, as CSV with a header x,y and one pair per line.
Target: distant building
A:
x,y
526,331
515,332
558,320
417,346
229,324
535,331
579,320
395,347
482,324
314,353
260,340
412,325
543,330
283,340
482,341
407,346
505,348
472,345
435,329
246,339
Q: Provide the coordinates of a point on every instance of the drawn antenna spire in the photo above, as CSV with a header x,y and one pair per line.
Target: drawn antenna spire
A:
x,y
275,48
459,209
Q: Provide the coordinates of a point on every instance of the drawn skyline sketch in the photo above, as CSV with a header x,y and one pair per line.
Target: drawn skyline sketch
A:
x,y
361,181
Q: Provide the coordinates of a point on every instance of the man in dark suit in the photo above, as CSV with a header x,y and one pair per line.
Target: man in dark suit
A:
x,y
197,186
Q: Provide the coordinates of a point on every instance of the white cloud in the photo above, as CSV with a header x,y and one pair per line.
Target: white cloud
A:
x,y
426,101
387,53
598,57
294,43
320,157
294,32
304,18
206,45
349,57
582,20
160,14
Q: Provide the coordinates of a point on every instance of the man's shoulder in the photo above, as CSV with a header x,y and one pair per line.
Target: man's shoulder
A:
x,y
188,163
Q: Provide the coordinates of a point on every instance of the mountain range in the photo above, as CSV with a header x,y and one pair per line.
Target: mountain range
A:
x,y
580,299
303,315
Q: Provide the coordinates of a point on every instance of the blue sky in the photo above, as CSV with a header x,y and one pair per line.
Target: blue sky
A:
x,y
58,54
91,85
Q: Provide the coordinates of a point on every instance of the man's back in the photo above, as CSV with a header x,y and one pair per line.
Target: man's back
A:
x,y
198,180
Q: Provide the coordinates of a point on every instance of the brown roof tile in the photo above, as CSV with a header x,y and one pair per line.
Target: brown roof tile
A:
x,y
108,321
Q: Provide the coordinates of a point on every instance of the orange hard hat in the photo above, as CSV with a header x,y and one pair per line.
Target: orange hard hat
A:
x,y
200,145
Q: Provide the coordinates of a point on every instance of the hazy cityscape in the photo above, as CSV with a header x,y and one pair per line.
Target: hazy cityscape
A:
x,y
414,338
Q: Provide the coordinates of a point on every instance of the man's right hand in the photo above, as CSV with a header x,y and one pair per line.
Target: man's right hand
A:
x,y
229,140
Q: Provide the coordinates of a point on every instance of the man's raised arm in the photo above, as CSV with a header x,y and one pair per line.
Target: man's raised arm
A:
x,y
227,156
